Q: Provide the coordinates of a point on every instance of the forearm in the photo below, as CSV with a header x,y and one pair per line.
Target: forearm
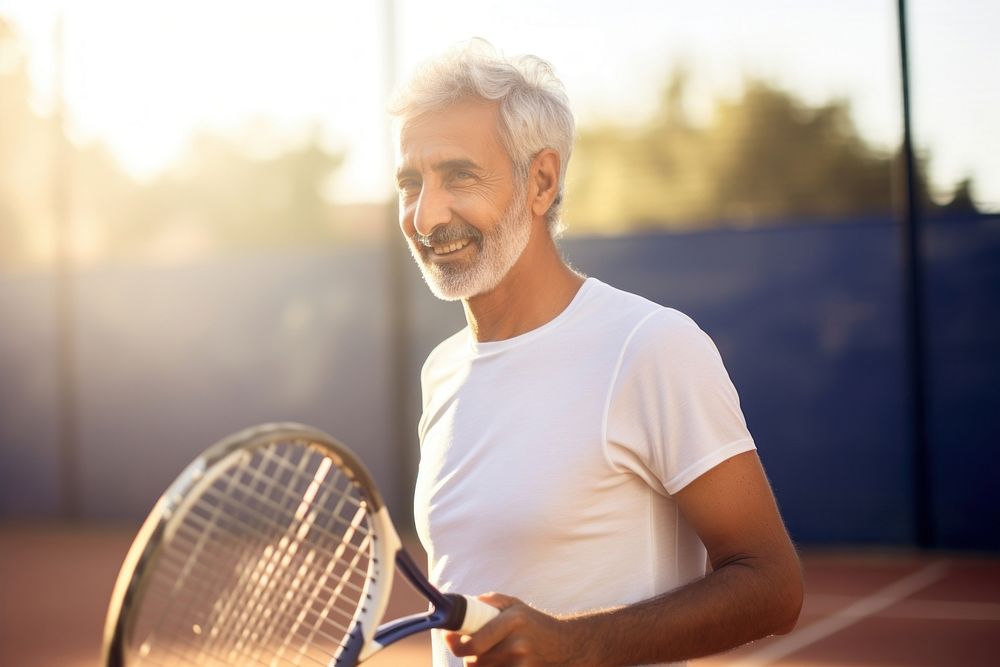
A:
x,y
739,602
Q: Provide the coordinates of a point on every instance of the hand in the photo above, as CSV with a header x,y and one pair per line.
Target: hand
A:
x,y
519,636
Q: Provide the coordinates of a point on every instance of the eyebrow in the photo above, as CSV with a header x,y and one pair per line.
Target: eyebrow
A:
x,y
443,166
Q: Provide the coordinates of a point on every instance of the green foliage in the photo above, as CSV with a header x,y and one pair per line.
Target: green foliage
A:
x,y
223,196
764,157
21,137
217,198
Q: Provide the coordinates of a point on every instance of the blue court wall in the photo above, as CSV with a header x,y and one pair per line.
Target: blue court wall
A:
x,y
808,318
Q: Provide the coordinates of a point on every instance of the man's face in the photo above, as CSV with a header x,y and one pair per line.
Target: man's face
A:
x,y
465,215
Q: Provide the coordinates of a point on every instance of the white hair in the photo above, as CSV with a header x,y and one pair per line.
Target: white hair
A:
x,y
533,106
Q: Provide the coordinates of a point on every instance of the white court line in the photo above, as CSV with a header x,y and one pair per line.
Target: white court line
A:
x,y
863,608
928,610
948,611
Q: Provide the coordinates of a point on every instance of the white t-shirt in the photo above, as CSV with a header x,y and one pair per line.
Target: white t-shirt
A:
x,y
548,460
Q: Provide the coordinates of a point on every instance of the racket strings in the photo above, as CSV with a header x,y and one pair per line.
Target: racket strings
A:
x,y
241,639
247,493
290,532
263,593
260,605
241,517
328,606
256,606
334,558
175,594
318,585
253,612
232,602
321,587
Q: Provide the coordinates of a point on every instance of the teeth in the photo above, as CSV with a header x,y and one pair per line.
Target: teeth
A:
x,y
451,247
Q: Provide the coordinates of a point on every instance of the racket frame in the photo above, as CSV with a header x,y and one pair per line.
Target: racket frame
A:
x,y
169,511
366,637
448,612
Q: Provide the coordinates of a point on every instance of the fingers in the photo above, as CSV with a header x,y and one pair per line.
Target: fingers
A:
x,y
511,651
490,634
499,600
518,636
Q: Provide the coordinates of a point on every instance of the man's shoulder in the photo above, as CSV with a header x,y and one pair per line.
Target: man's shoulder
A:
x,y
639,314
652,334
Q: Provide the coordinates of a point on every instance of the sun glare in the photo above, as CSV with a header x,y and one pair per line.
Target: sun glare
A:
x,y
143,77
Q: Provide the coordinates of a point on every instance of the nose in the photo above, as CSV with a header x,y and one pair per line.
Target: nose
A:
x,y
433,209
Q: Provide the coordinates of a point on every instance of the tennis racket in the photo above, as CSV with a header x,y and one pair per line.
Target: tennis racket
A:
x,y
273,548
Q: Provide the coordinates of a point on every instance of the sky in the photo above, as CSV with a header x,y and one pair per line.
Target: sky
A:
x,y
141,76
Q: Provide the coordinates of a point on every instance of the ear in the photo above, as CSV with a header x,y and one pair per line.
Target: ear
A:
x,y
543,181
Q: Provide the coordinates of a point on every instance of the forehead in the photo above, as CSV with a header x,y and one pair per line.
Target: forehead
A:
x,y
467,129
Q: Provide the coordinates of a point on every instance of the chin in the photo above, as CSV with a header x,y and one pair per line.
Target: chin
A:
x,y
459,288
444,287
445,295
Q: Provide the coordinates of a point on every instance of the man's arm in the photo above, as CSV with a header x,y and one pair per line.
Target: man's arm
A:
x,y
753,590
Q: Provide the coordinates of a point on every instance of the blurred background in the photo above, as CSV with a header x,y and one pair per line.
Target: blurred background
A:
x,y
198,233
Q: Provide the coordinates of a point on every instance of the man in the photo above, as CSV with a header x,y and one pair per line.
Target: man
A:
x,y
582,448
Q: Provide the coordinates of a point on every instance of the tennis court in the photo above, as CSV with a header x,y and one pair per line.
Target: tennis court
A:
x,y
234,258
879,608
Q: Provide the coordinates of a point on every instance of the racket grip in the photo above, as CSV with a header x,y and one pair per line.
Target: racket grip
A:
x,y
477,614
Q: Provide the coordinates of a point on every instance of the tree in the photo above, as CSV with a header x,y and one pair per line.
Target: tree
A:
x,y
216,198
764,157
23,192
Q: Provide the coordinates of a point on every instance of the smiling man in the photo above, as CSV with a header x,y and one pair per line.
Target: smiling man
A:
x,y
583,454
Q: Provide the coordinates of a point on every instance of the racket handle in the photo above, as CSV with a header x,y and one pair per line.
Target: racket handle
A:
x,y
477,614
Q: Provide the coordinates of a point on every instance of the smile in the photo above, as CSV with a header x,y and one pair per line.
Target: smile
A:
x,y
449,248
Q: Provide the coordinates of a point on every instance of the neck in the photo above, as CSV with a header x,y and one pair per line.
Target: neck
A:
x,y
538,287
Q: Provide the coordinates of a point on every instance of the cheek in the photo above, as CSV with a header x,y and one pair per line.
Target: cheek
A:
x,y
406,220
477,212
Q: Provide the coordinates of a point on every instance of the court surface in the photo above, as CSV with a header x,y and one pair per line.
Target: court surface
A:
x,y
878,609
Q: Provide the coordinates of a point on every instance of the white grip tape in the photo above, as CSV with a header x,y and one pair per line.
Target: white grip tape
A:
x,y
477,614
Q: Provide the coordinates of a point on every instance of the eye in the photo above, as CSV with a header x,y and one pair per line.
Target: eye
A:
x,y
408,186
463,175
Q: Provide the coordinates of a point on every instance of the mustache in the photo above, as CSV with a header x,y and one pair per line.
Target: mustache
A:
x,y
445,234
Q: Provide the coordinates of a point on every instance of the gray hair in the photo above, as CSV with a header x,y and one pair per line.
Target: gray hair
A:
x,y
534,108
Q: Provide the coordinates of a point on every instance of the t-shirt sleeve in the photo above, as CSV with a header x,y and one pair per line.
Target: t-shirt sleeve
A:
x,y
673,412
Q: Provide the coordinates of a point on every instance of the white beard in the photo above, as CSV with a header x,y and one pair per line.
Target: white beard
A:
x,y
497,252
